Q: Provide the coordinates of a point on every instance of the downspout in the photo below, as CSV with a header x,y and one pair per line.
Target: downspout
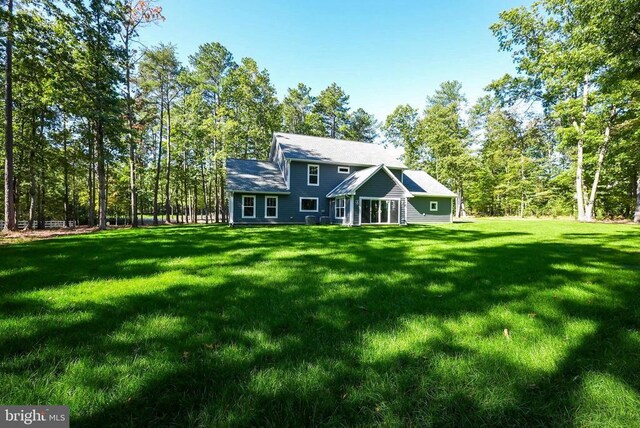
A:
x,y
231,205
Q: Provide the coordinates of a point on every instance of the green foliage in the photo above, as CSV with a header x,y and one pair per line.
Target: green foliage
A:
x,y
400,130
361,126
298,113
333,105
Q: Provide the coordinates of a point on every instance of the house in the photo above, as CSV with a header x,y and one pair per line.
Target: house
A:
x,y
336,181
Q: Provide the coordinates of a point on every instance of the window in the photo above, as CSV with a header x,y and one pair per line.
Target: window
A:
x,y
313,175
344,169
340,208
433,206
309,204
248,207
270,206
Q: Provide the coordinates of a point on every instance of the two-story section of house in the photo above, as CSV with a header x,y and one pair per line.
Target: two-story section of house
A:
x,y
331,180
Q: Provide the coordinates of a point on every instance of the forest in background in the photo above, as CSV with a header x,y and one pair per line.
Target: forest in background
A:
x,y
98,127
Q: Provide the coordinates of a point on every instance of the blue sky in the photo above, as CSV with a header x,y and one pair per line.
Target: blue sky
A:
x,y
381,53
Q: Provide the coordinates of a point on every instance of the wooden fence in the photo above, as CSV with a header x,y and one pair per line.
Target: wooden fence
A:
x,y
49,224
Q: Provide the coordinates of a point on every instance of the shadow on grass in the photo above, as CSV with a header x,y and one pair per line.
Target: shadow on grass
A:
x,y
308,326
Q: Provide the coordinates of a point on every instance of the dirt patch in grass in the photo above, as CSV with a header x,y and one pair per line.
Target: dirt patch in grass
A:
x,y
35,235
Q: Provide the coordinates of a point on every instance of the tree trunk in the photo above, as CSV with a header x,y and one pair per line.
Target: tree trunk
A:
x,y
194,211
216,189
133,191
636,216
589,209
42,188
204,194
65,201
32,189
185,216
156,187
223,201
211,189
167,201
9,209
102,177
333,126
460,210
580,154
522,185
92,186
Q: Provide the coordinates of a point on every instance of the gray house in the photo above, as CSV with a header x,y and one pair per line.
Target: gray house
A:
x,y
336,181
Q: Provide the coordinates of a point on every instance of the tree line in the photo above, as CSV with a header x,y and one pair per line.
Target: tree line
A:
x,y
561,137
99,128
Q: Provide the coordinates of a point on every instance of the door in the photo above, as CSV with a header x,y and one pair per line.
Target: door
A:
x,y
365,209
394,212
379,211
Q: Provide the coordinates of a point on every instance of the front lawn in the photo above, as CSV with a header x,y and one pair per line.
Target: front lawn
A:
x,y
491,323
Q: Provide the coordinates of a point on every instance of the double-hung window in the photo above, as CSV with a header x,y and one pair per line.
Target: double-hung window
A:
x,y
248,207
313,175
433,206
340,208
270,206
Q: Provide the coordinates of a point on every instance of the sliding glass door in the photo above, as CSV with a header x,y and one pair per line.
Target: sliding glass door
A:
x,y
379,211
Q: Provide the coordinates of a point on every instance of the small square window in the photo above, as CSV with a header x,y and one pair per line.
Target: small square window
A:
x,y
433,206
344,169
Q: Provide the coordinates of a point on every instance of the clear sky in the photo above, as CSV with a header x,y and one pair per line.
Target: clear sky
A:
x,y
382,53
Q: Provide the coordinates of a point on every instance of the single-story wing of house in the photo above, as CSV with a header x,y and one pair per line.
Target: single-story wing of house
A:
x,y
315,179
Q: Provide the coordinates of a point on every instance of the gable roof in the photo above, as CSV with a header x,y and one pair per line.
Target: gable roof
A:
x,y
254,176
331,150
354,181
421,183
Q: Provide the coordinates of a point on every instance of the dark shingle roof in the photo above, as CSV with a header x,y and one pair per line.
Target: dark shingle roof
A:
x,y
320,149
421,182
254,176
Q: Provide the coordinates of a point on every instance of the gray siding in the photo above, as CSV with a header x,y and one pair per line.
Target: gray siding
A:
x,y
397,173
289,205
418,210
379,186
278,157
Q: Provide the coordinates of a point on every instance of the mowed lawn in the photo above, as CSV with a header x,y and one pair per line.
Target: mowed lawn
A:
x,y
292,326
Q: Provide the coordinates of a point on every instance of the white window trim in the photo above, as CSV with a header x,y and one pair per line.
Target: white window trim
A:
x,y
344,208
265,206
309,175
308,211
431,206
348,170
254,206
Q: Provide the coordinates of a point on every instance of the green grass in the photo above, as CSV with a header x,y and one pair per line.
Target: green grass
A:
x,y
290,326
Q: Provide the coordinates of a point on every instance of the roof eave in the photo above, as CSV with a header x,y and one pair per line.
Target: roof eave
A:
x,y
329,162
435,195
269,192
